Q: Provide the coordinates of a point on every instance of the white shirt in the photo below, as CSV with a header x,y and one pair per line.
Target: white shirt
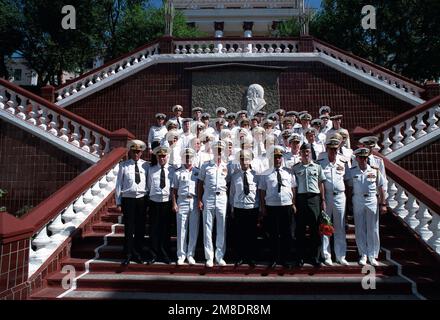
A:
x,y
291,159
125,182
185,182
237,197
269,183
179,121
185,139
366,182
214,177
156,134
334,173
157,194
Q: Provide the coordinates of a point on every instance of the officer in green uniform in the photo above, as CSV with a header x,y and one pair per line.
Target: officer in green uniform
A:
x,y
310,200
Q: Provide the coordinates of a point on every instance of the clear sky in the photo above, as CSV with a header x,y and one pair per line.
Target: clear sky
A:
x,y
312,3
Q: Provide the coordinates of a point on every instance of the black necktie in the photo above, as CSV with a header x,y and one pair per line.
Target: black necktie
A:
x,y
178,122
245,183
162,178
368,160
137,175
280,183
313,152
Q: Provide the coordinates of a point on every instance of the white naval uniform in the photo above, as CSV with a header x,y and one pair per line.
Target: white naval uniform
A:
x,y
335,201
156,134
269,183
291,159
125,181
365,186
188,215
215,199
236,192
179,121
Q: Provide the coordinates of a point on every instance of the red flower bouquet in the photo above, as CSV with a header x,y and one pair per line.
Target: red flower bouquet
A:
x,y
325,226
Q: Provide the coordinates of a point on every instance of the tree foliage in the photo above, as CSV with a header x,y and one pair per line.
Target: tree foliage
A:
x,y
104,28
406,38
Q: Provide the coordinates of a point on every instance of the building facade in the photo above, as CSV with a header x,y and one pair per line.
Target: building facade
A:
x,y
239,18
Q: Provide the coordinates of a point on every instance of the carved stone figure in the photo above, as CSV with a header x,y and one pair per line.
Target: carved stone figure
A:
x,y
255,98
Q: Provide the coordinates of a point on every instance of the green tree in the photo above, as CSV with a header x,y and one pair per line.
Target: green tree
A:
x,y
406,38
140,24
49,49
11,22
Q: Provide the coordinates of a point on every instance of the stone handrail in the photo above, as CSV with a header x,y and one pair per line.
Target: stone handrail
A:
x,y
58,216
413,128
35,113
107,70
415,202
235,45
386,76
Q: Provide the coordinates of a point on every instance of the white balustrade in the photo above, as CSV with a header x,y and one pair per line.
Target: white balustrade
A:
x,y
415,128
106,73
44,243
368,69
416,214
226,46
50,120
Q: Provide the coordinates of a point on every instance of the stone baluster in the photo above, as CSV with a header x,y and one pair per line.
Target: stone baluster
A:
x,y
401,199
10,107
83,86
420,126
89,82
69,215
409,132
33,114
387,142
392,190
412,207
88,199
434,227
21,108
96,144
59,96
107,145
43,118
424,217
57,228
397,138
53,123
97,194
65,129
44,246
432,120
66,93
86,140
104,185
76,136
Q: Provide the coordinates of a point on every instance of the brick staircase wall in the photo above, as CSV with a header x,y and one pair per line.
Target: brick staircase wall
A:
x,y
32,169
133,102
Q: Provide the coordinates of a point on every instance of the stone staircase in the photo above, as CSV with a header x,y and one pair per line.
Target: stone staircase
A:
x,y
96,255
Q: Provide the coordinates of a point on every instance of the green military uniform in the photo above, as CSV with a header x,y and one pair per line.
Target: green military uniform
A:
x,y
308,203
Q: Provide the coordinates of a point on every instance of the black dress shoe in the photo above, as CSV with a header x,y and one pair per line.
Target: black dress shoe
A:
x,y
239,262
151,261
138,259
166,260
300,263
126,261
316,262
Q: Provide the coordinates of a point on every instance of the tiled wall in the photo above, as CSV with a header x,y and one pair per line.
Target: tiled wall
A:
x,y
425,164
32,169
132,103
13,268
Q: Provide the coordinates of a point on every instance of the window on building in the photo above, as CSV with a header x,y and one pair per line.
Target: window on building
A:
x,y
17,74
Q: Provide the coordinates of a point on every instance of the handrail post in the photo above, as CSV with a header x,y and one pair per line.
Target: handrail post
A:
x,y
119,138
305,44
48,93
166,45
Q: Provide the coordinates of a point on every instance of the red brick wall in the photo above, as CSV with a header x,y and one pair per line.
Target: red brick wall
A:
x,y
424,163
32,169
13,269
132,103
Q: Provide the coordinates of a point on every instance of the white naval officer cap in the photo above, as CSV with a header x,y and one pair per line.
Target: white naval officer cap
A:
x,y
136,145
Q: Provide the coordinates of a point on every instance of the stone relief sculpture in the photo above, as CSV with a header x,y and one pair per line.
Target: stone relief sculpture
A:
x,y
255,98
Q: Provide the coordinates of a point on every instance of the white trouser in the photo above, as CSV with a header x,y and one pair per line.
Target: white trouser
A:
x,y
214,207
336,211
366,221
188,214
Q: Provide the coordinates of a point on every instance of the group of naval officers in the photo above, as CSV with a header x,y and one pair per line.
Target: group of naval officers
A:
x,y
280,171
